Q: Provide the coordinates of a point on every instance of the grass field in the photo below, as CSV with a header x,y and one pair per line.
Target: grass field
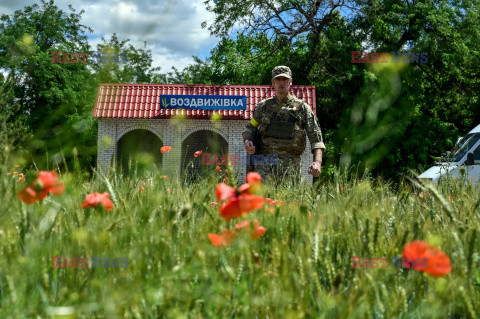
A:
x,y
301,267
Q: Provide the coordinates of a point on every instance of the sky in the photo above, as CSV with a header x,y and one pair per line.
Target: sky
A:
x,y
171,28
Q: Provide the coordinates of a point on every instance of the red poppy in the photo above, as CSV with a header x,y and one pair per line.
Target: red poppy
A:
x,y
241,201
309,214
45,183
224,191
274,202
249,202
214,203
242,225
95,199
438,263
244,189
225,239
254,179
257,231
197,153
218,169
164,149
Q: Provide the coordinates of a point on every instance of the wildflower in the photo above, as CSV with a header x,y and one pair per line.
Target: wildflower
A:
x,y
309,214
271,210
269,200
241,201
218,169
165,176
438,263
95,199
420,195
143,189
226,171
45,183
225,180
242,225
274,202
8,174
197,153
341,187
168,190
257,231
225,239
214,203
254,179
224,191
449,197
164,149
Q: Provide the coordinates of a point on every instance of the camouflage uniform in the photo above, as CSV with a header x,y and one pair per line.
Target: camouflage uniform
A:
x,y
276,136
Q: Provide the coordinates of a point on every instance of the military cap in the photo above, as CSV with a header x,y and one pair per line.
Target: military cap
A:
x,y
281,70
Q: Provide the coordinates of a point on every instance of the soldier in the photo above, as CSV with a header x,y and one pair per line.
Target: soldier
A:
x,y
283,121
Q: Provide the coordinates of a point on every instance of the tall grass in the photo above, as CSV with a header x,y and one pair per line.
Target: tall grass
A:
x,y
301,268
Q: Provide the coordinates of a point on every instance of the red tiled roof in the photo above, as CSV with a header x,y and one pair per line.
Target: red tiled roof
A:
x,y
143,100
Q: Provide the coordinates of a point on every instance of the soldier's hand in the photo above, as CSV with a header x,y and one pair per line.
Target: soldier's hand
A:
x,y
314,169
249,147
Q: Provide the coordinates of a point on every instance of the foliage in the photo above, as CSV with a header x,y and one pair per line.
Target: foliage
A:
x,y
54,101
315,38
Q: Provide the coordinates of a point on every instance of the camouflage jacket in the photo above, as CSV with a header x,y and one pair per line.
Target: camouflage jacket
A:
x,y
294,115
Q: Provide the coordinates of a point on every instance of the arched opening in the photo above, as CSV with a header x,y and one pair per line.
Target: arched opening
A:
x,y
139,152
213,147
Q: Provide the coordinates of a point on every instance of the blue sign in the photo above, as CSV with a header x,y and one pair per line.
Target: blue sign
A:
x,y
204,102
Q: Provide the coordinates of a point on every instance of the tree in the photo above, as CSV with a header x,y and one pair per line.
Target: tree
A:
x,y
382,118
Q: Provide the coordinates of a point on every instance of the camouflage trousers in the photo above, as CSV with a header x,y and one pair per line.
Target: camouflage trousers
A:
x,y
287,169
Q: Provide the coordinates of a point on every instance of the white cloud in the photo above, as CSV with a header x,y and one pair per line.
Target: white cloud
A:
x,y
171,28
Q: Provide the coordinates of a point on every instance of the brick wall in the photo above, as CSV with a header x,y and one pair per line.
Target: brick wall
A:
x,y
173,132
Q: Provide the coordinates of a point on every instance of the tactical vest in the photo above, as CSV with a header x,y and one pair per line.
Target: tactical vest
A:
x,y
283,133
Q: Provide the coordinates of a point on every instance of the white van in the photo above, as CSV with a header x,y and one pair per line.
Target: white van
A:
x,y
463,160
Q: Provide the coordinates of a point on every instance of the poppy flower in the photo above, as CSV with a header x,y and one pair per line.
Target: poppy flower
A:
x,y
218,169
257,231
239,206
214,203
197,153
164,149
437,262
240,201
224,191
45,183
225,239
242,225
254,179
95,199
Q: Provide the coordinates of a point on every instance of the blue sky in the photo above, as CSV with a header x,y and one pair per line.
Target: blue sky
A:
x,y
171,28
